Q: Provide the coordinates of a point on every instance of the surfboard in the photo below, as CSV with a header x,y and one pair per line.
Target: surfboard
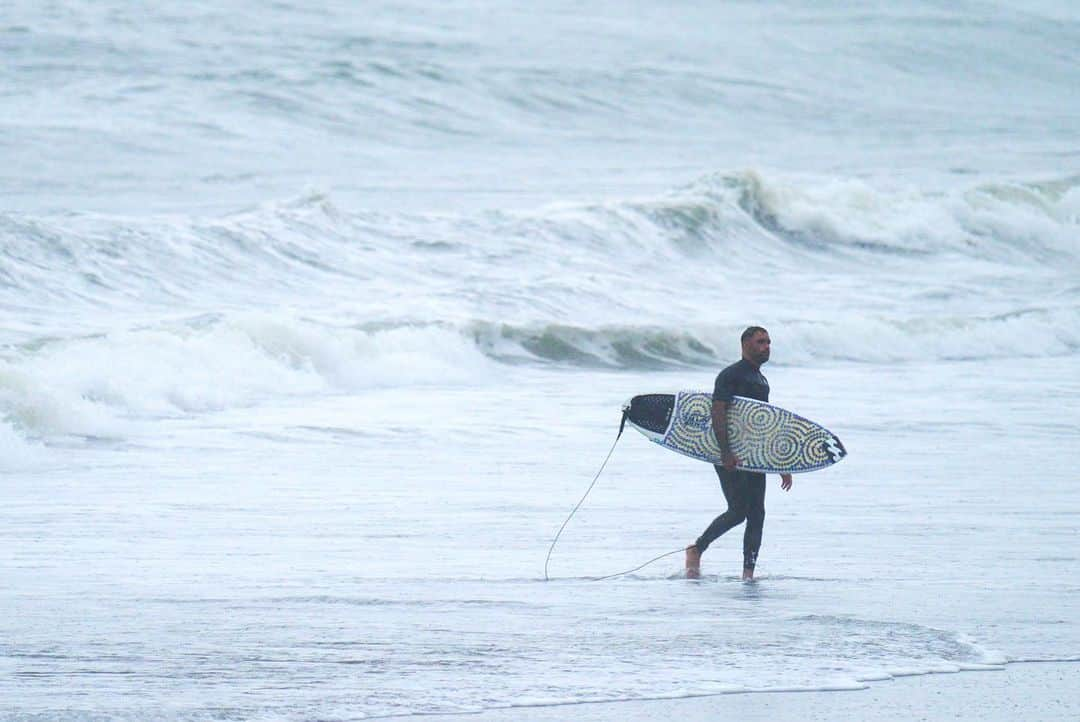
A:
x,y
764,437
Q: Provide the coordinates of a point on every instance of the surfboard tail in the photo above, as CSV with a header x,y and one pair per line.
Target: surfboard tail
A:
x,y
650,413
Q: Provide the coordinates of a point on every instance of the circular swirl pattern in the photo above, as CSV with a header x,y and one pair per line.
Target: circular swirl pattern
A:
x,y
782,449
695,412
762,420
764,437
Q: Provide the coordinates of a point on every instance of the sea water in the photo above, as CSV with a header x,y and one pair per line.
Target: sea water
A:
x,y
317,321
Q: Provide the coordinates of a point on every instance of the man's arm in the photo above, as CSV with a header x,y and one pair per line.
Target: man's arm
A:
x,y
719,424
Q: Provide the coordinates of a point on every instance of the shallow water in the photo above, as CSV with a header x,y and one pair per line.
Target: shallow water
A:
x,y
293,560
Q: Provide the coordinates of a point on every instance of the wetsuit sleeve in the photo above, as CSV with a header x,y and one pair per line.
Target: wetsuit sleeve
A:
x,y
724,390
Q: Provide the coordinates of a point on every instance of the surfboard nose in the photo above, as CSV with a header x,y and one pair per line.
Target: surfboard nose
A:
x,y
834,448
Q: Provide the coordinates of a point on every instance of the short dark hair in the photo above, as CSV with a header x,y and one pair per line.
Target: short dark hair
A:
x,y
749,333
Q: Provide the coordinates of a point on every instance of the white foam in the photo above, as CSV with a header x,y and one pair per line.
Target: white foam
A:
x,y
102,385
845,210
45,400
17,453
872,339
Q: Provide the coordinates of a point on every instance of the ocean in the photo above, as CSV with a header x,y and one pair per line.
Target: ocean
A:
x,y
317,320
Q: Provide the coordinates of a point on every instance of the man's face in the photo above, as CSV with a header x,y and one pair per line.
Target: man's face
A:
x,y
756,348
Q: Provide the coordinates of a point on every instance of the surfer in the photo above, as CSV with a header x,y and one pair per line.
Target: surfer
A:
x,y
744,490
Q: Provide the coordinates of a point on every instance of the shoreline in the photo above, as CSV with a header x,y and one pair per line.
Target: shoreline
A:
x,y
1033,690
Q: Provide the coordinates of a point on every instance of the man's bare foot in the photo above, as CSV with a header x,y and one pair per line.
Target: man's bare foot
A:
x,y
747,575
693,562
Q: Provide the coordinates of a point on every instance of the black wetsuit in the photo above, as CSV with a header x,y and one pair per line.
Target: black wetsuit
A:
x,y
744,490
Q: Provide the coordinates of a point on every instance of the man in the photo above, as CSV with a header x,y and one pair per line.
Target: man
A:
x,y
744,490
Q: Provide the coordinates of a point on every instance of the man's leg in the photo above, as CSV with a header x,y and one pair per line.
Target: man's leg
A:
x,y
735,494
754,485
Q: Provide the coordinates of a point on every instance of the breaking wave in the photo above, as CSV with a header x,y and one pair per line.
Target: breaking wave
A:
x,y
114,319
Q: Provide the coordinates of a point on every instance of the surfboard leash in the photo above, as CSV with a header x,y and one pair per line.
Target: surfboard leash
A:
x,y
622,425
631,571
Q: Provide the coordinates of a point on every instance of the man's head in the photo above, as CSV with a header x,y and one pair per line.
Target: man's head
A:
x,y
755,345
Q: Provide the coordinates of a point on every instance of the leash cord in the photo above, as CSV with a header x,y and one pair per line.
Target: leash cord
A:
x,y
622,425
631,571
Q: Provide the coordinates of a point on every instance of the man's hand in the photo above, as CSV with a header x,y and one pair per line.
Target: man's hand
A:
x,y
730,461
785,482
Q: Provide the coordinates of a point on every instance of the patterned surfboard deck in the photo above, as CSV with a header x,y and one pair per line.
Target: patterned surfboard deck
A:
x,y
764,437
